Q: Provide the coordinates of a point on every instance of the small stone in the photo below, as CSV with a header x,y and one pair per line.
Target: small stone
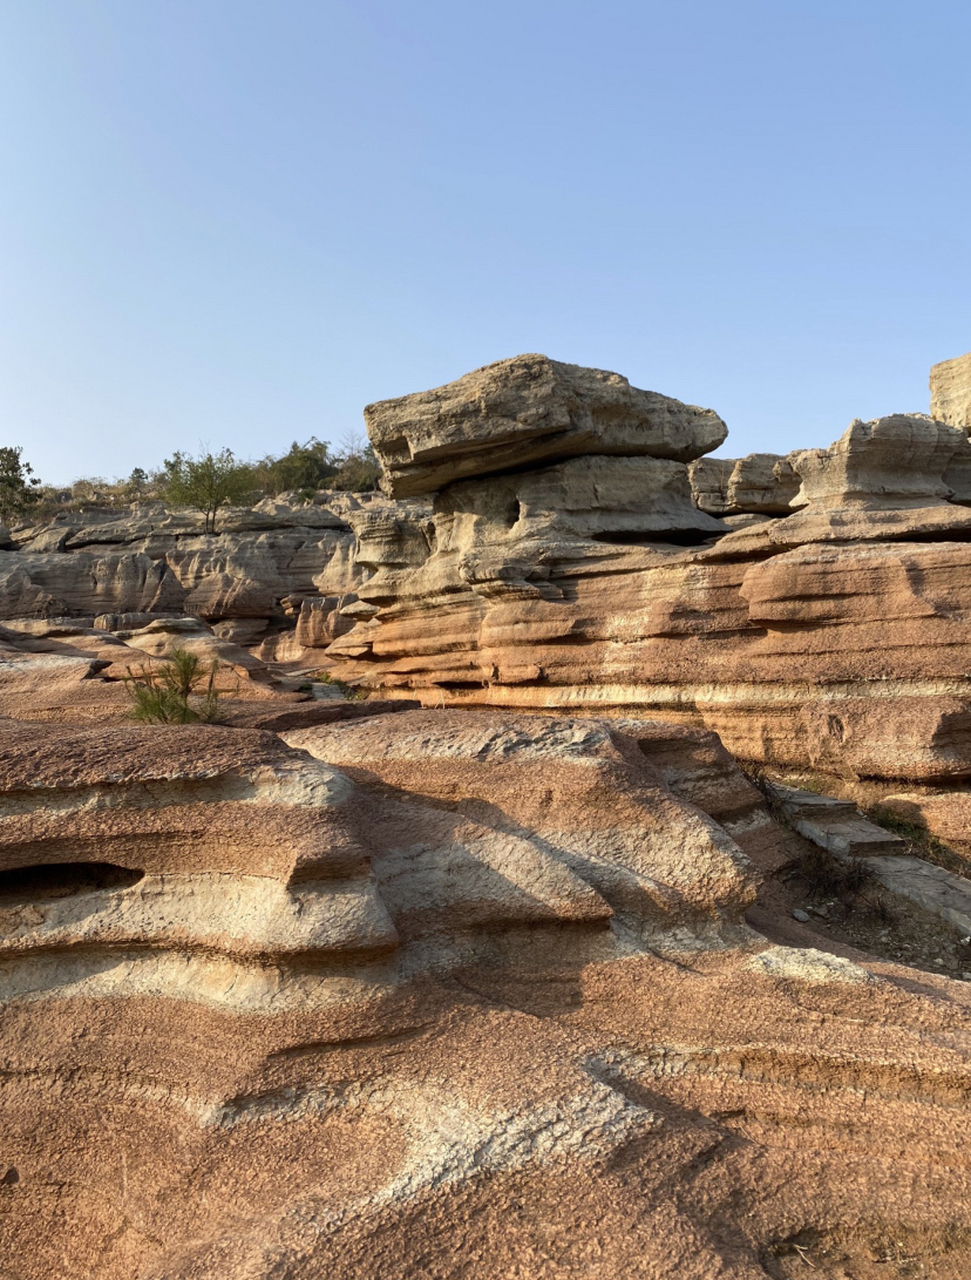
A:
x,y
966,976
800,915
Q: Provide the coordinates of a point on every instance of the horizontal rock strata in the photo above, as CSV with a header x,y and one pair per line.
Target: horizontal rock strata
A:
x,y
834,637
457,991
951,392
260,564
761,484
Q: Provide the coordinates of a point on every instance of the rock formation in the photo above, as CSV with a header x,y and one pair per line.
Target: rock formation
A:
x,y
261,563
512,988
834,637
525,411
763,484
450,994
951,392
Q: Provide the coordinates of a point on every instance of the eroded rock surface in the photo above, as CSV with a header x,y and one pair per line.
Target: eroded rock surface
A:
x,y
526,411
832,638
951,392
450,993
763,484
151,561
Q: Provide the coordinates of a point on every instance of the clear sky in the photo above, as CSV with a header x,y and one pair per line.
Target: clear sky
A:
x,y
238,221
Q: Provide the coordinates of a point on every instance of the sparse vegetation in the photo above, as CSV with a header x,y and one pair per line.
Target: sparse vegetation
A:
x,y
763,783
846,885
182,691
823,875
182,481
348,691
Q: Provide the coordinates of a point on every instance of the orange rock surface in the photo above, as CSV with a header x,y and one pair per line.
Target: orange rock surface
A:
x,y
440,994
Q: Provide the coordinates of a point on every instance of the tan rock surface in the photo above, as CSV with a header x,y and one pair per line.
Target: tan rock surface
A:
x,y
528,410
835,637
897,462
161,563
559,1050
951,392
760,484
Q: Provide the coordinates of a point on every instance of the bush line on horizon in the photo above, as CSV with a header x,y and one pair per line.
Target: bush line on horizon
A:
x,y
205,481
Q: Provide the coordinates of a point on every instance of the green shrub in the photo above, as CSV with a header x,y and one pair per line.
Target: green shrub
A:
x,y
348,691
181,692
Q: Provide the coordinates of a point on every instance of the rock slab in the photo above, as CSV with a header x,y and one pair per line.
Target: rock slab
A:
x,y
524,411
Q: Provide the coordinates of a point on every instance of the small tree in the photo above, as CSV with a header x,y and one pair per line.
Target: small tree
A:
x,y
207,482
19,488
181,692
136,484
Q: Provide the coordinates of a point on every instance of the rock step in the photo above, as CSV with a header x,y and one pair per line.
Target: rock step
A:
x,y
854,839
837,825
809,805
931,887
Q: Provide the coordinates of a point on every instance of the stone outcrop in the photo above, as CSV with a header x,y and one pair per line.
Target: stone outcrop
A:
x,y
523,412
260,564
450,992
951,392
834,637
762,484
894,462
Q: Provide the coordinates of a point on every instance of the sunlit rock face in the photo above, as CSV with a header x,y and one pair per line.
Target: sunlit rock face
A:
x,y
762,484
832,637
951,392
524,412
439,992
151,561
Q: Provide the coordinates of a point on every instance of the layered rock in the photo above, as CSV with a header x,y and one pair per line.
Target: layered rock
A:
x,y
762,484
156,562
524,411
454,992
951,392
833,638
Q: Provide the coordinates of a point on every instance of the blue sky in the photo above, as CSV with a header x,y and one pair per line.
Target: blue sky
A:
x,y
236,222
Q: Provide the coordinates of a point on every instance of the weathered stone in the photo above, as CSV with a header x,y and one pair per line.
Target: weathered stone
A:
x,y
898,461
760,484
155,562
935,890
836,825
481,999
525,411
709,479
322,620
834,637
951,392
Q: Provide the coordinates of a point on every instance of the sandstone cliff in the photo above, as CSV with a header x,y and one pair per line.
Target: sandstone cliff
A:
x,y
252,574
833,637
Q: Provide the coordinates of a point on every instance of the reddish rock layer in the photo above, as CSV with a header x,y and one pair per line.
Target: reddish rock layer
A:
x,y
568,1056
835,638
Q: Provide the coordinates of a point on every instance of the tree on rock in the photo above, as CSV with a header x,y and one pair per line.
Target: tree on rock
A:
x,y
18,485
207,483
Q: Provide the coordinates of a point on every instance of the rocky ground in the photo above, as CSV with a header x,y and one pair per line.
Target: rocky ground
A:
x,y
432,992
